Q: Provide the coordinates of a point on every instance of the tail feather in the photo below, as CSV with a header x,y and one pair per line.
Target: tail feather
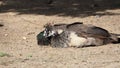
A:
x,y
115,38
115,34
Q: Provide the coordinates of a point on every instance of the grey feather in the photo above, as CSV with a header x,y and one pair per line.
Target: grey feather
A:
x,y
92,34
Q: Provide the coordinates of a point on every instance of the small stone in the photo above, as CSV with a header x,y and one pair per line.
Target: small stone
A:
x,y
24,38
20,54
6,34
44,62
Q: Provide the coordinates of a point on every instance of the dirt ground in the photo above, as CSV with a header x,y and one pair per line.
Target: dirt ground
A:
x,y
18,39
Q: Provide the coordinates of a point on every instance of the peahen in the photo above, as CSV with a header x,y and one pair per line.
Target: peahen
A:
x,y
78,35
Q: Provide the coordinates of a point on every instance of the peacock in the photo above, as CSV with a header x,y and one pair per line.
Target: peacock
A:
x,y
78,34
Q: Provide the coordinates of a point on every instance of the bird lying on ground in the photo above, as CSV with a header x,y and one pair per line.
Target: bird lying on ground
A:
x,y
77,35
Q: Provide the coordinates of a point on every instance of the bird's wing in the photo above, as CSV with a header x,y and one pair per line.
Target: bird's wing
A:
x,y
98,31
64,26
89,31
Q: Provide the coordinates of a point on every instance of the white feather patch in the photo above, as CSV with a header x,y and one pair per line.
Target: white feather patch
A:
x,y
59,31
77,41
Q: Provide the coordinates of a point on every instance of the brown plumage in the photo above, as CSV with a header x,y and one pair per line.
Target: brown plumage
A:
x,y
93,31
78,35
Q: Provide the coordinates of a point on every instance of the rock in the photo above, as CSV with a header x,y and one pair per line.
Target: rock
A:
x,y
24,38
6,34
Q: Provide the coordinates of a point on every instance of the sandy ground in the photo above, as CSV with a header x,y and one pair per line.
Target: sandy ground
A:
x,y
18,39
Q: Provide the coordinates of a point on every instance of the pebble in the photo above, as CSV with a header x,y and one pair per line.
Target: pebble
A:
x,y
6,34
24,38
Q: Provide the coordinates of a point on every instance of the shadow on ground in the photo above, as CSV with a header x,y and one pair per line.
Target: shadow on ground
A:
x,y
82,8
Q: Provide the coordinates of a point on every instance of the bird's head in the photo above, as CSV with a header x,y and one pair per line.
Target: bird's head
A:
x,y
50,30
